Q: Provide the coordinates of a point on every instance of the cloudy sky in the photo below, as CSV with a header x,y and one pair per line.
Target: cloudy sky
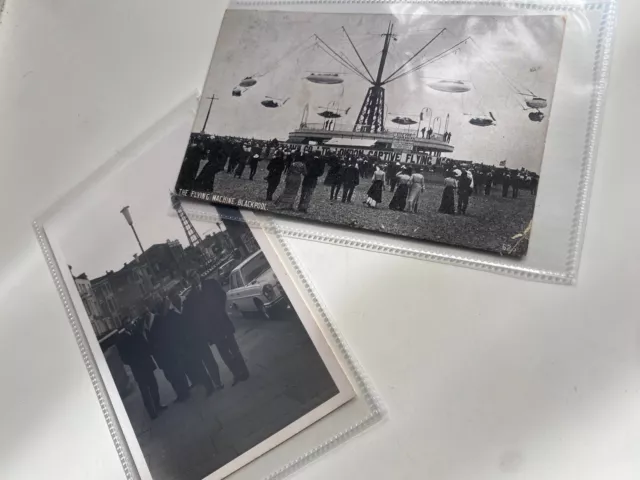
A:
x,y
92,233
279,49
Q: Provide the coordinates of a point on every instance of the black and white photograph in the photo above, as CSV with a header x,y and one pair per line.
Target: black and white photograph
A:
x,y
423,126
213,362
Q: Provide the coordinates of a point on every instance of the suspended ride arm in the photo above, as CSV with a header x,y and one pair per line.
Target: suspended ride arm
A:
x,y
390,79
435,58
343,60
358,53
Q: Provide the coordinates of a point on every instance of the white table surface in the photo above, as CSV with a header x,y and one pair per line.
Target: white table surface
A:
x,y
484,376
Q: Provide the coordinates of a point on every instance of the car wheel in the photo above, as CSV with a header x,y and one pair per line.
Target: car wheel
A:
x,y
262,310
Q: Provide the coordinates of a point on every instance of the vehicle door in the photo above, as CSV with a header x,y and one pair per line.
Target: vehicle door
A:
x,y
234,292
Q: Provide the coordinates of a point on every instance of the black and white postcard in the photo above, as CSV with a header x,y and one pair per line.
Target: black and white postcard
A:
x,y
423,126
196,326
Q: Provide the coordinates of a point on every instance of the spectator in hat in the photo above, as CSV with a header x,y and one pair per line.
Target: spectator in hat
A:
x,y
275,169
394,169
447,204
253,165
135,351
313,169
350,178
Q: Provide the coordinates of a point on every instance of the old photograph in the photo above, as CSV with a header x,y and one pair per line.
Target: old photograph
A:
x,y
213,364
423,126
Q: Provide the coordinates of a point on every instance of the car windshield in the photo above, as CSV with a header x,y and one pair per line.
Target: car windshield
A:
x,y
255,267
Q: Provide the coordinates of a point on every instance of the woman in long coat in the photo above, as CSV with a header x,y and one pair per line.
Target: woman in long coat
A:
x,y
399,200
448,203
416,186
291,186
374,194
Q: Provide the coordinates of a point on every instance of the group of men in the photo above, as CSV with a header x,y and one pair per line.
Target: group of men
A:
x,y
175,334
429,133
481,179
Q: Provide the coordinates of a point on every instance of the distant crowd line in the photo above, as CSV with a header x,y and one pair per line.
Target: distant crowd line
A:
x,y
301,170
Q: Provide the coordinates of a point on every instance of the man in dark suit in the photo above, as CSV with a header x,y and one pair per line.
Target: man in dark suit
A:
x,y
197,334
275,168
253,165
506,182
190,166
464,190
136,352
350,178
192,358
210,308
162,334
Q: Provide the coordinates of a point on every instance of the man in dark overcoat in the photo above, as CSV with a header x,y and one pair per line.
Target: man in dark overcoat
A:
x,y
162,335
136,352
210,310
350,178
275,169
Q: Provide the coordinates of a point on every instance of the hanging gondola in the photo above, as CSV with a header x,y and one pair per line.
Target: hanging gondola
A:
x,y
270,102
330,112
536,102
325,78
403,121
483,120
450,86
536,116
236,92
247,82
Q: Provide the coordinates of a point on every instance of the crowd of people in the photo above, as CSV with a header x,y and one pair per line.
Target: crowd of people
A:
x,y
175,335
301,169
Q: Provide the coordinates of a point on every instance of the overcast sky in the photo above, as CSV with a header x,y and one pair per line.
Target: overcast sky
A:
x,y
93,234
277,47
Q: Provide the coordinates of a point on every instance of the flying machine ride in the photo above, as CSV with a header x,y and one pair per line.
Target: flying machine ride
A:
x,y
247,82
537,103
271,102
324,78
404,121
536,116
482,120
332,111
450,86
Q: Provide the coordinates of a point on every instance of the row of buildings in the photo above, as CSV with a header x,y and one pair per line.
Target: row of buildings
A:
x,y
121,294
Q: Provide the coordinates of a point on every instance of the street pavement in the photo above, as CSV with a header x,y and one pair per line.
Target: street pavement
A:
x,y
192,439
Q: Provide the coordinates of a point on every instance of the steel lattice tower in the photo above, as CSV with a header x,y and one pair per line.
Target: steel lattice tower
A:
x,y
192,235
372,112
371,116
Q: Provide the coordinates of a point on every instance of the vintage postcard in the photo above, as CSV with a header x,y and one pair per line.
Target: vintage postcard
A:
x,y
423,126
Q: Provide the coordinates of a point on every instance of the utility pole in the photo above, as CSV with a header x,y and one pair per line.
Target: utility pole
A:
x,y
206,120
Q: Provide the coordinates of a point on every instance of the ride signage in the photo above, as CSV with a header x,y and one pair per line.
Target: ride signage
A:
x,y
403,145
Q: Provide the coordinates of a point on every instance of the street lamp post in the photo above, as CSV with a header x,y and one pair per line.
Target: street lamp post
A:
x,y
127,215
425,110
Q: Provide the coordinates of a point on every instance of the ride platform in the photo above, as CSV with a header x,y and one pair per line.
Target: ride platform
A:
x,y
388,138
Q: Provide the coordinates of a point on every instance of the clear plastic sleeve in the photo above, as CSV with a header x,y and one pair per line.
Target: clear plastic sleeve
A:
x,y
555,234
74,228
